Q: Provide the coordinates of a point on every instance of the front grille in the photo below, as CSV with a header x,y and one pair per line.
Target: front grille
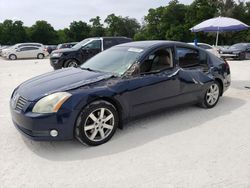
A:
x,y
20,103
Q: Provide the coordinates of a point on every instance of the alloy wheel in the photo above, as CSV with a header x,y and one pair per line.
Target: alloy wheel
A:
x,y
212,95
72,64
99,124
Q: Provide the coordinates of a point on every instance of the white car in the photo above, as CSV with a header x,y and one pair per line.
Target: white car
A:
x,y
207,47
25,50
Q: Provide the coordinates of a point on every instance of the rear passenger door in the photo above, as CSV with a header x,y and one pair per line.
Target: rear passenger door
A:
x,y
194,71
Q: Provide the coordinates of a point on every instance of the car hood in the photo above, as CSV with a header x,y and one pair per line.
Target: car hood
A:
x,y
61,80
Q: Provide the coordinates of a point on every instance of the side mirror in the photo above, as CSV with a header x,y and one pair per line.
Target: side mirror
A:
x,y
18,50
133,70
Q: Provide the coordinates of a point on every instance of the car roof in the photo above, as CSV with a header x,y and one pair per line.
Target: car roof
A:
x,y
192,43
154,43
109,38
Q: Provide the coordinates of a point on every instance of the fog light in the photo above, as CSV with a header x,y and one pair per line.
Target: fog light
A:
x,y
53,133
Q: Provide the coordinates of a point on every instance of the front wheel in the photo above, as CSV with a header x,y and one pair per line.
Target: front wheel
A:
x,y
71,63
96,123
212,95
12,57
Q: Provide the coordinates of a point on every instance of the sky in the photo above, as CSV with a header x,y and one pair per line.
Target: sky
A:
x,y
61,13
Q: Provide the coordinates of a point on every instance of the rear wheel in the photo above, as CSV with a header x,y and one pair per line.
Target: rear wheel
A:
x,y
96,123
212,95
40,56
71,63
12,57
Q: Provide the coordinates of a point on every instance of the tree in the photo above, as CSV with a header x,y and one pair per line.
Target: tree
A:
x,y
97,29
119,26
12,32
78,31
43,32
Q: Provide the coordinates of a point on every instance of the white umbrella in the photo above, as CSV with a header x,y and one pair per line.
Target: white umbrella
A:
x,y
219,24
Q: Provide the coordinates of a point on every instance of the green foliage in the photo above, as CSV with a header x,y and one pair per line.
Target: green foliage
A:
x,y
43,32
97,29
78,31
12,32
119,26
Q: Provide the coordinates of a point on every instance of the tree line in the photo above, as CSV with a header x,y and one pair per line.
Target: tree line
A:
x,y
170,22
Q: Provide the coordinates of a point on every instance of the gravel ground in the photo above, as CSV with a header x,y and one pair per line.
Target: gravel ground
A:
x,y
181,147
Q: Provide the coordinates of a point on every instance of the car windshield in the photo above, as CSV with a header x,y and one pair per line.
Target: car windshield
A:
x,y
80,44
238,46
116,60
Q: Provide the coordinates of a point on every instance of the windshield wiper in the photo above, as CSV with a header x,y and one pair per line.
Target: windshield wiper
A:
x,y
89,69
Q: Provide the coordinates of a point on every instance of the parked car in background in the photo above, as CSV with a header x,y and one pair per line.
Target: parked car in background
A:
x,y
25,51
50,48
125,81
66,45
19,51
208,47
83,50
239,51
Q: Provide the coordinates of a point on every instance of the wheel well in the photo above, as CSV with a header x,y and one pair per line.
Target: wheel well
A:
x,y
117,105
221,85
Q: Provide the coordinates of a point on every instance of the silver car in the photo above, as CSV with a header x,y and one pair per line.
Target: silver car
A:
x,y
25,50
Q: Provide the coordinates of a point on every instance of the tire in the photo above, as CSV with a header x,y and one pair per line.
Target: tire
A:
x,y
40,56
96,123
212,95
71,63
12,57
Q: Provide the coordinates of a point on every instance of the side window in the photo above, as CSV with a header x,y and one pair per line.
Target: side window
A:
x,y
95,44
107,43
28,48
188,57
157,61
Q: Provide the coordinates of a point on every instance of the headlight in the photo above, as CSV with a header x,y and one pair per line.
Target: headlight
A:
x,y
56,54
51,103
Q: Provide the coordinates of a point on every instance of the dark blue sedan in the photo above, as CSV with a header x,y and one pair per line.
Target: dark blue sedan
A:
x,y
90,102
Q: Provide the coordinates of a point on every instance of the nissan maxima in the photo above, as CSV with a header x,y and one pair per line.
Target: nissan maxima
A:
x,y
90,102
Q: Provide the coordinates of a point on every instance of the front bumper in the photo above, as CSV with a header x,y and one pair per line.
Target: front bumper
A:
x,y
56,63
38,126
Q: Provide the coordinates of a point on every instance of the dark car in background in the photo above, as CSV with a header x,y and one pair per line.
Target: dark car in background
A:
x,y
239,51
83,50
66,45
125,81
50,48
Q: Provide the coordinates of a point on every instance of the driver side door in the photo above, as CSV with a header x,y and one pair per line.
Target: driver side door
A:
x,y
90,49
154,89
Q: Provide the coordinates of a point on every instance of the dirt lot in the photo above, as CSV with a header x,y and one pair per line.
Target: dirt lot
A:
x,y
182,147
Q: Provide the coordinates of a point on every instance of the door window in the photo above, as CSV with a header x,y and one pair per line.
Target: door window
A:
x,y
95,44
188,57
28,48
157,61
